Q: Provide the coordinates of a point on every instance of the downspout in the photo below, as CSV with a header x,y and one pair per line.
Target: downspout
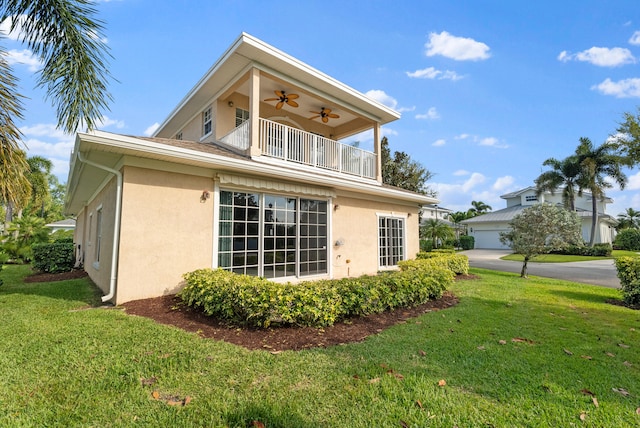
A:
x,y
116,226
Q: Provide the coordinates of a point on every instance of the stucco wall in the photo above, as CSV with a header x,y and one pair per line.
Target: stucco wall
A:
x,y
355,223
166,231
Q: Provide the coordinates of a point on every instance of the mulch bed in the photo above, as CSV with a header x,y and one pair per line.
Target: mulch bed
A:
x,y
49,277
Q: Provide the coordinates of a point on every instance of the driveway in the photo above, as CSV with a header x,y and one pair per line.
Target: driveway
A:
x,y
596,272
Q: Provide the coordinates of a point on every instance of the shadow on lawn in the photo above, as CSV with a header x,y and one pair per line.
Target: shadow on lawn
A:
x,y
262,416
580,295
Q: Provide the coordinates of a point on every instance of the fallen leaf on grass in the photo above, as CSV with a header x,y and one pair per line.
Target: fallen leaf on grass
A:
x,y
442,382
403,424
523,340
595,401
586,357
374,380
481,348
638,411
156,395
422,353
585,391
502,342
627,363
610,354
171,400
419,403
566,351
622,345
148,381
257,424
583,416
621,391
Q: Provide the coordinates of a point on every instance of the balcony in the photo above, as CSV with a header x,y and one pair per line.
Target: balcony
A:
x,y
293,145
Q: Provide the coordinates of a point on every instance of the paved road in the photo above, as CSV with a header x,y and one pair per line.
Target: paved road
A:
x,y
597,272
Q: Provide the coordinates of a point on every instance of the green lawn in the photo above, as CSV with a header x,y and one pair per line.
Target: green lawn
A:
x,y
514,352
562,258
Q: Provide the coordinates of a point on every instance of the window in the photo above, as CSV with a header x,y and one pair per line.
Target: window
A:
x,y
98,234
272,235
241,116
390,241
179,136
530,198
206,122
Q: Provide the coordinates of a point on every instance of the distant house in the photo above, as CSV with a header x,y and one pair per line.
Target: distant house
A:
x,y
435,212
248,173
66,224
486,228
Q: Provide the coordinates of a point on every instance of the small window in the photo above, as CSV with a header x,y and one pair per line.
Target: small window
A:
x,y
179,136
530,198
206,122
241,116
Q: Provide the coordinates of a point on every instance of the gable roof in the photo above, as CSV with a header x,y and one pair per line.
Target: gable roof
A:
x,y
248,51
505,215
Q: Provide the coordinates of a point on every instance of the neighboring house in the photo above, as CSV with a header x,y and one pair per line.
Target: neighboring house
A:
x,y
435,212
486,228
66,224
248,174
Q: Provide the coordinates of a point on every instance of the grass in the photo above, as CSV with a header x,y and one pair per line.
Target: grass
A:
x,y
563,258
62,364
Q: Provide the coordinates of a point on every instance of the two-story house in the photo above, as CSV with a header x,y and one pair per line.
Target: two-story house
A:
x,y
248,173
486,228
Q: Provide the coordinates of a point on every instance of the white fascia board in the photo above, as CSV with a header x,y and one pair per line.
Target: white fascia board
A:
x,y
253,167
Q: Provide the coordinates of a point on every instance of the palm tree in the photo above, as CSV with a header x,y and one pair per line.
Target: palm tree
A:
x,y
597,165
456,218
68,41
436,231
38,176
564,173
478,208
629,219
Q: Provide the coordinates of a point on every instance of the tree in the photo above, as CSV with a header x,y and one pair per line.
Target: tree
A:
x,y
478,208
630,219
539,229
401,171
456,218
627,139
598,166
436,230
563,174
38,176
67,39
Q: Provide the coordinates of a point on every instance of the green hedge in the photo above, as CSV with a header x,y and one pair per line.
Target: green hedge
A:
x,y
53,258
252,301
598,250
457,263
467,242
628,239
629,274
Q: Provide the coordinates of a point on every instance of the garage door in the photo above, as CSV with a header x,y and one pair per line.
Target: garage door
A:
x,y
488,239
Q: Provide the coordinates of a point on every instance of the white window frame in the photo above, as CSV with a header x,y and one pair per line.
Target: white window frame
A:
x,y
207,121
403,218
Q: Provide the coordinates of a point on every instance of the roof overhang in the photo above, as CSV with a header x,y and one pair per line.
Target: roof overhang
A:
x,y
111,150
247,52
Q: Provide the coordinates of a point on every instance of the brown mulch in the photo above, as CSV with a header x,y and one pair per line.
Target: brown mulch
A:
x,y
49,277
170,310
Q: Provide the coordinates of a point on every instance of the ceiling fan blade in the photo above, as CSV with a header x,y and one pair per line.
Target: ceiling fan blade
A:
x,y
279,105
293,96
280,94
326,110
333,116
292,103
272,99
325,119
316,112
314,117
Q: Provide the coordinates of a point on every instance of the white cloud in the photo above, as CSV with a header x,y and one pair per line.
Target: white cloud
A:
x,y
461,137
5,26
403,109
23,57
474,180
150,130
492,142
461,172
433,73
635,38
45,130
602,57
60,149
457,48
106,122
439,143
431,114
634,182
627,88
382,97
503,183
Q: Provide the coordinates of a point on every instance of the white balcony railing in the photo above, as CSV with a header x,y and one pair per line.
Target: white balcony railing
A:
x,y
293,145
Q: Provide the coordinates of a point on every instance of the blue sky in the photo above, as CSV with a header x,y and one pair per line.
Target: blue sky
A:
x,y
487,90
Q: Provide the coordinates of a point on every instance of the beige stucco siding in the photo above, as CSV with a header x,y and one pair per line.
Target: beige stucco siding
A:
x,y
166,231
355,224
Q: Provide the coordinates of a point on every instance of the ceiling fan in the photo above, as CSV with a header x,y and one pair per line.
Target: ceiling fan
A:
x,y
284,98
325,114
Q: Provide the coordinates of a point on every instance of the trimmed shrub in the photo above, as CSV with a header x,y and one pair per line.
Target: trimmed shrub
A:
x,y
456,263
426,245
467,242
598,250
629,273
53,258
628,239
253,301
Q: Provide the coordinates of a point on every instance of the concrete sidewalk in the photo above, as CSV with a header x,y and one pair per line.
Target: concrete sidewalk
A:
x,y
596,272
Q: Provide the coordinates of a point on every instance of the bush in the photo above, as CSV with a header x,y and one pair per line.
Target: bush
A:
x,y
628,239
426,245
629,273
456,263
53,258
467,242
253,301
598,250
